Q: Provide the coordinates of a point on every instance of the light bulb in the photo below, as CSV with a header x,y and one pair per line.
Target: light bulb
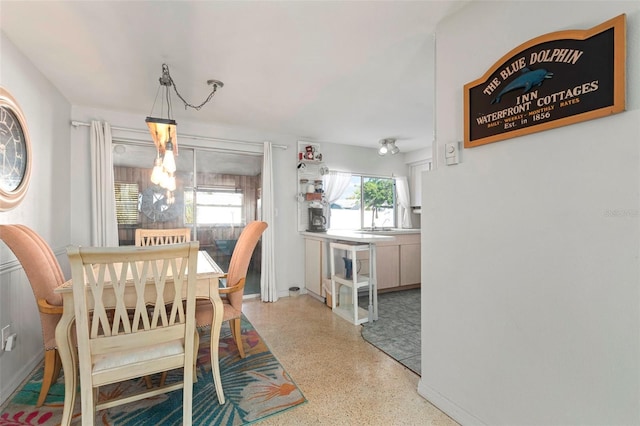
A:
x,y
394,149
169,162
156,174
383,149
164,180
171,183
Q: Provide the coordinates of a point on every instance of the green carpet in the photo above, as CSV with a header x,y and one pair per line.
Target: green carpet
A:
x,y
255,387
397,331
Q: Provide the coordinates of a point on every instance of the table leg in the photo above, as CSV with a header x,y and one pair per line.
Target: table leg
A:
x,y
215,342
67,353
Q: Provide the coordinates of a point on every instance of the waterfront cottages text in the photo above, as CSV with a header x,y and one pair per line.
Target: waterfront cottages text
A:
x,y
544,104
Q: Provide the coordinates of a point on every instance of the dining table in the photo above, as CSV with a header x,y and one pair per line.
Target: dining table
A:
x,y
207,285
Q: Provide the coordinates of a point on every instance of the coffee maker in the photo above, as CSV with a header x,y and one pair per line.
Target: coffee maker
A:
x,y
317,221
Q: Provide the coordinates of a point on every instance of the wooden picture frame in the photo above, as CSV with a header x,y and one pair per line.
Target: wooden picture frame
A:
x,y
553,80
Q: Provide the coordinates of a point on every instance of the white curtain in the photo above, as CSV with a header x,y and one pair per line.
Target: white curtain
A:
x,y
335,183
404,202
104,226
268,288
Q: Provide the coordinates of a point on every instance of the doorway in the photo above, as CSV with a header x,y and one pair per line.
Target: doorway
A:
x,y
217,194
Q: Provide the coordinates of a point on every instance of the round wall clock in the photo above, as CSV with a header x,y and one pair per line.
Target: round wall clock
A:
x,y
153,204
15,152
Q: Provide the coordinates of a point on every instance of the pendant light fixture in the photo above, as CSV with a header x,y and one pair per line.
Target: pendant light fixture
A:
x,y
388,146
164,135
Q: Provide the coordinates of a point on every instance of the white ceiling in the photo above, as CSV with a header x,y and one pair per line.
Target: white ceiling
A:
x,y
350,72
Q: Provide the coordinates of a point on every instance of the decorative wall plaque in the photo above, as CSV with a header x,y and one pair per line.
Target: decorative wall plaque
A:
x,y
550,81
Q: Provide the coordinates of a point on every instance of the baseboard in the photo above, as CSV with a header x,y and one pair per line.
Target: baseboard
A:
x,y
312,294
7,388
251,296
447,406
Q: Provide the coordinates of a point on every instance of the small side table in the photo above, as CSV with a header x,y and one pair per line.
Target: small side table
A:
x,y
349,309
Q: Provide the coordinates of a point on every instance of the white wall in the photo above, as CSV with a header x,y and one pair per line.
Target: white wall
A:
x,y
530,302
45,207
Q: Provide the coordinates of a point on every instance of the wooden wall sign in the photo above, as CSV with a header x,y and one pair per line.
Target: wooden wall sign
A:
x,y
550,81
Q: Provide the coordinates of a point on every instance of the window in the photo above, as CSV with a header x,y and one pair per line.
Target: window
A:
x,y
215,207
126,203
376,194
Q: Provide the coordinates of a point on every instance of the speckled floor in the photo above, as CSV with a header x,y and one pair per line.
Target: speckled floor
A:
x,y
346,380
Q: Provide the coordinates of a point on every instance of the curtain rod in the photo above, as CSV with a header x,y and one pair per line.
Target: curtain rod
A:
x,y
393,175
75,123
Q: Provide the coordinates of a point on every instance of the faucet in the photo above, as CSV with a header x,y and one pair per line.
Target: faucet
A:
x,y
374,215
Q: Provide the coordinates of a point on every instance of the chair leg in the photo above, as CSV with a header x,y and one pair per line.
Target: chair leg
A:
x,y
163,377
147,381
236,332
58,367
94,403
196,346
52,366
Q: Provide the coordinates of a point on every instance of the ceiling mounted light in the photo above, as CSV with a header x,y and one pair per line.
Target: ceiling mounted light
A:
x,y
383,147
388,145
163,131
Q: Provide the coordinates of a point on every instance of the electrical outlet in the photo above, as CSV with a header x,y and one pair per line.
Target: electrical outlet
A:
x,y
6,331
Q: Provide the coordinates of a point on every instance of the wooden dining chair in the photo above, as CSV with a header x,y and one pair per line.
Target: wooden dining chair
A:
x,y
44,274
154,237
232,294
150,328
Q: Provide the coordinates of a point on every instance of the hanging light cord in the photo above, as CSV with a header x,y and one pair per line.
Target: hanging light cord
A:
x,y
167,80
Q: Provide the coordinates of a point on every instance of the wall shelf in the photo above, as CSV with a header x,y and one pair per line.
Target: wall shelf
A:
x,y
309,173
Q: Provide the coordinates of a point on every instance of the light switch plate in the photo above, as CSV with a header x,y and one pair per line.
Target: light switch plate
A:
x,y
4,335
11,342
452,153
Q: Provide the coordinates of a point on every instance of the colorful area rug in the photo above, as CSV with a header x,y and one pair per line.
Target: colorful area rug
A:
x,y
255,387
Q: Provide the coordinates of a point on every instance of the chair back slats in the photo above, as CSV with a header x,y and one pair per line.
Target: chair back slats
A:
x,y
156,306
156,237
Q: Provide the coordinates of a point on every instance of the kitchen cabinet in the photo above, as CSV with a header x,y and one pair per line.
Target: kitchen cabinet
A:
x,y
314,266
410,264
397,262
388,266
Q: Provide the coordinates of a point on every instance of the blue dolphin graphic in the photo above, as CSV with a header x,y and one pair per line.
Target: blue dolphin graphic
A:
x,y
527,79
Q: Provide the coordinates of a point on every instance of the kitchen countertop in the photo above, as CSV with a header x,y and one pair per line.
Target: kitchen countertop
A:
x,y
390,231
353,236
